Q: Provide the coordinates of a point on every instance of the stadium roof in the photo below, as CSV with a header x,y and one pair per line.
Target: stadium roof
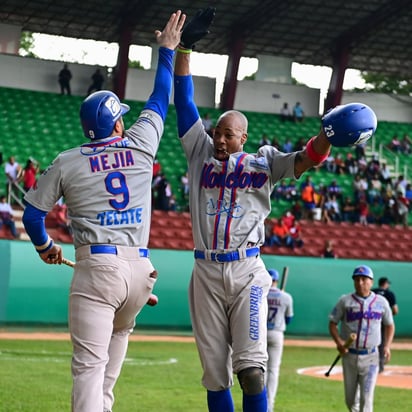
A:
x,y
377,33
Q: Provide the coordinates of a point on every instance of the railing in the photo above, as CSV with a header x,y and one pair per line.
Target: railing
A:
x,y
13,190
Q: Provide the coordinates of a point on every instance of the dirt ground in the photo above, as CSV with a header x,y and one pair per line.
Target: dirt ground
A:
x,y
393,376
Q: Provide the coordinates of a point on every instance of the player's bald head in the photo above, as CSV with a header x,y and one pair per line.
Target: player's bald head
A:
x,y
236,119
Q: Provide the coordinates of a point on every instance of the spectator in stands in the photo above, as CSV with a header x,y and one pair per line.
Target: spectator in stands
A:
x,y
30,174
292,190
264,140
157,167
351,165
163,192
298,113
268,230
360,186
61,216
207,124
307,192
287,147
408,194
296,234
348,209
288,219
280,191
13,174
184,182
275,143
280,235
376,211
65,76
360,151
97,82
331,210
285,113
339,164
296,209
385,174
363,210
299,145
406,144
400,182
395,144
7,217
402,207
329,164
328,251
334,189
374,188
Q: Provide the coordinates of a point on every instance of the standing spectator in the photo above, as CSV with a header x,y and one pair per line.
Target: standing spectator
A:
x,y
30,174
13,174
363,211
348,210
287,146
285,114
108,200
307,193
362,312
157,167
383,290
65,76
351,164
406,144
298,113
184,183
97,82
7,217
280,314
401,207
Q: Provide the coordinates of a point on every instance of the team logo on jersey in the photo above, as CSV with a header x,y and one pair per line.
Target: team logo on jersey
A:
x,y
260,163
221,207
238,179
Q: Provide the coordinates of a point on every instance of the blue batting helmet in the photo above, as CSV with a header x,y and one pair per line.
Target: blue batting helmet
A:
x,y
274,274
99,112
363,270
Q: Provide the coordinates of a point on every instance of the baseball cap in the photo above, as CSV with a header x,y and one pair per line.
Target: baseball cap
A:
x,y
383,280
274,274
363,270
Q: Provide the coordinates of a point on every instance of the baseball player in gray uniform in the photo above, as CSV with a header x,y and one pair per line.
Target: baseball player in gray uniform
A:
x,y
362,313
280,313
106,186
229,199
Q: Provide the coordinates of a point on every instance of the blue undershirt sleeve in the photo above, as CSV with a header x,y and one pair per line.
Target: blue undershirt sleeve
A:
x,y
186,110
288,319
160,97
34,223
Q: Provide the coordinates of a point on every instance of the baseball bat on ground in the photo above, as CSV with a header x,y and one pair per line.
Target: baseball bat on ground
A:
x,y
152,301
284,278
346,345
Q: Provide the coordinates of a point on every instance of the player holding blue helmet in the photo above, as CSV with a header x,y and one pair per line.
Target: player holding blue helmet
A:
x,y
230,193
106,186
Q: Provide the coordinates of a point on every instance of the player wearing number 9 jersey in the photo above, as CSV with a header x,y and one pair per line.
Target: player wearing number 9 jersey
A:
x,y
280,313
106,184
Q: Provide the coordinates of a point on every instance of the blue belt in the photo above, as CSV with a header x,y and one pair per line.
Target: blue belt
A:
x,y
222,257
361,351
112,250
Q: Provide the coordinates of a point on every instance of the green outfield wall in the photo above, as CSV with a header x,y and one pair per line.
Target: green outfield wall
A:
x,y
34,293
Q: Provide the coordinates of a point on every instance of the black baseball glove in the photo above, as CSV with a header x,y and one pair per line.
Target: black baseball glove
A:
x,y
197,28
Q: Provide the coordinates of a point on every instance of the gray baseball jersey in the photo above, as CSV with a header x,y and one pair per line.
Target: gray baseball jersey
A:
x,y
115,173
362,316
280,304
229,201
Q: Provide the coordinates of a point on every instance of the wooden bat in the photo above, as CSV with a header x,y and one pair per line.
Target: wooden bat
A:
x,y
348,342
68,262
152,301
284,278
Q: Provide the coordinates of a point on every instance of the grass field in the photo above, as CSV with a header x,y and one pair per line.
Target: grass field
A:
x,y
165,376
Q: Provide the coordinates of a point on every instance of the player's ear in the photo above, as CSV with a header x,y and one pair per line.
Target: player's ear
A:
x,y
243,139
118,127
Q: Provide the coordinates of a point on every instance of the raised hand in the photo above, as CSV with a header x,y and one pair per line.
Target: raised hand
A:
x,y
170,36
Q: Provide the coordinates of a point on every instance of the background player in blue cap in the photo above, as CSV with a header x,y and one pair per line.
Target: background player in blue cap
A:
x,y
362,313
280,313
